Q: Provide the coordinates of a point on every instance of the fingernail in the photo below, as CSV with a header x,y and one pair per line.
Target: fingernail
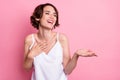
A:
x,y
95,55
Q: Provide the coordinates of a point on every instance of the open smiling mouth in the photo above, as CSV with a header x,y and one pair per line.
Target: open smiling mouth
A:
x,y
50,21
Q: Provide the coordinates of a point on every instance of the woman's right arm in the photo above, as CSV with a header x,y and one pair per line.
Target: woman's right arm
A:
x,y
28,59
29,54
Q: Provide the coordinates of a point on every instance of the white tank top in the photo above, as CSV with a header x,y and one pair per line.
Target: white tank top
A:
x,y
49,66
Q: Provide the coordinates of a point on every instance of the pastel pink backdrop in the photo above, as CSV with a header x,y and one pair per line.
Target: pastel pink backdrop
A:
x,y
91,24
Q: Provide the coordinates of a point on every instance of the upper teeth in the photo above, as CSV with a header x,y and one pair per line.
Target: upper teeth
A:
x,y
50,21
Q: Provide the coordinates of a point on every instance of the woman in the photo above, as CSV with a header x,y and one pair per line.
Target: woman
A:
x,y
48,51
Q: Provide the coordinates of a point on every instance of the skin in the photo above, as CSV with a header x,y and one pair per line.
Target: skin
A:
x,y
46,39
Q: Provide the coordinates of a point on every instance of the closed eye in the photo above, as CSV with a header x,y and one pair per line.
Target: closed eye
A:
x,y
55,15
47,13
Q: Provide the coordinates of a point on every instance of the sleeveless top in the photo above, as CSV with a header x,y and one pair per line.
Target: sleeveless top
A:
x,y
49,66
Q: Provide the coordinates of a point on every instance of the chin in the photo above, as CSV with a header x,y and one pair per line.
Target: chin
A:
x,y
49,28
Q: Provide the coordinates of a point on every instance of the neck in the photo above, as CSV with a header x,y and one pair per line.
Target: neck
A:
x,y
44,34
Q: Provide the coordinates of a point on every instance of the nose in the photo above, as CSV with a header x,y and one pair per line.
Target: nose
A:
x,y
51,16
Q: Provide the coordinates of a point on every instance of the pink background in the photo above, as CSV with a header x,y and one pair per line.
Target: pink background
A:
x,y
91,24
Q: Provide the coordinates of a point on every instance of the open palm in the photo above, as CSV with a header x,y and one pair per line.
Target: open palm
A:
x,y
85,53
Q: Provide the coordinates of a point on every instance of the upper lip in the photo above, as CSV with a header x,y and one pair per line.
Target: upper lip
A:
x,y
50,21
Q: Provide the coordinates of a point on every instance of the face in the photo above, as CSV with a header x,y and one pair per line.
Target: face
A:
x,y
49,17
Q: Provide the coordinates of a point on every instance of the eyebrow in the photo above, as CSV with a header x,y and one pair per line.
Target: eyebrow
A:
x,y
49,11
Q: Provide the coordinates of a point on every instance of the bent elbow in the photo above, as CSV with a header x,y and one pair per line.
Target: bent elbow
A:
x,y
67,72
27,68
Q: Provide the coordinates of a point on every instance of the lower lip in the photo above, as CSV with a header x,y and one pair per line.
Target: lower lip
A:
x,y
50,23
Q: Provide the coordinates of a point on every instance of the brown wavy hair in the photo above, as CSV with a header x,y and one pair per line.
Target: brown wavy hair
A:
x,y
38,13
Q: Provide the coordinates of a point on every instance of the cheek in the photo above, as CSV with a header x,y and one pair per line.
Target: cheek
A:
x,y
42,20
55,20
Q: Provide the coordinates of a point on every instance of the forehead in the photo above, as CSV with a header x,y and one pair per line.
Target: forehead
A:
x,y
49,8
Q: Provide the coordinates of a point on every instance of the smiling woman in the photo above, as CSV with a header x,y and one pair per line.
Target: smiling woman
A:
x,y
48,51
39,12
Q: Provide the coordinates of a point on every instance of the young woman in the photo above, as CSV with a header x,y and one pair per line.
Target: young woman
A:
x,y
47,51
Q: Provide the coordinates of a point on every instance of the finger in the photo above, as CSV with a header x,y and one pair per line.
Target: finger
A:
x,y
41,43
89,50
35,45
95,55
38,46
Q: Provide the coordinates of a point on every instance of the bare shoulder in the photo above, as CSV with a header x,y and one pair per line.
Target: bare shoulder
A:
x,y
28,39
65,45
63,37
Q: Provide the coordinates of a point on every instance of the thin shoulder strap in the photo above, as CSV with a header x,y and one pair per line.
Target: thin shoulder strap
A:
x,y
57,36
33,41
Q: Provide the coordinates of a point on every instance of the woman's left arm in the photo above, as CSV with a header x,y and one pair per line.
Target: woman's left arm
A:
x,y
68,62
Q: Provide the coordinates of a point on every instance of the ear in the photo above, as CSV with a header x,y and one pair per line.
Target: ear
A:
x,y
37,19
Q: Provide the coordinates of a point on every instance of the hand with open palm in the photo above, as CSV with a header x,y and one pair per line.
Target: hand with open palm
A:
x,y
85,53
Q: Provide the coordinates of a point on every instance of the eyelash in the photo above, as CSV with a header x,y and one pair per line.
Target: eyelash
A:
x,y
54,14
46,13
